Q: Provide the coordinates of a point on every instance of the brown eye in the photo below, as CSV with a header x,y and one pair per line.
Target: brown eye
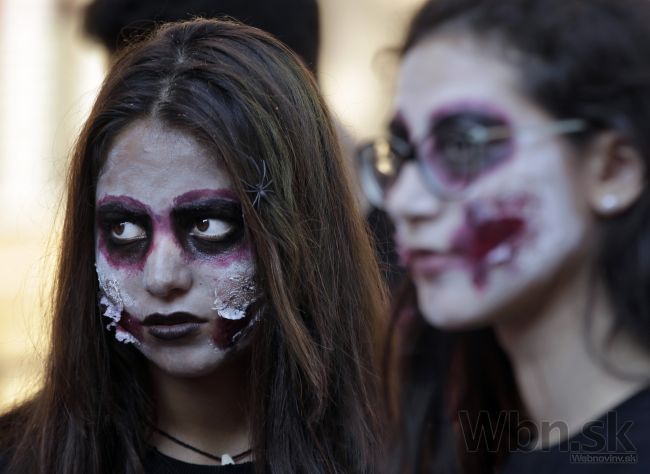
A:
x,y
211,229
203,225
127,232
118,229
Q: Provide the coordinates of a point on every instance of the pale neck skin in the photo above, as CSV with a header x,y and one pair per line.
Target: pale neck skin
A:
x,y
207,412
560,376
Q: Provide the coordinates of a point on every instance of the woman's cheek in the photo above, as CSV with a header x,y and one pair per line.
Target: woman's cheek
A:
x,y
113,299
236,299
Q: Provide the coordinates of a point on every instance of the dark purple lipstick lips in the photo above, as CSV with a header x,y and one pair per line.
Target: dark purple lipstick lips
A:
x,y
170,327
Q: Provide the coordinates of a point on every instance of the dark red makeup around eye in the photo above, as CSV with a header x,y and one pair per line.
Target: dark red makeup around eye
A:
x,y
190,211
119,253
457,155
112,213
194,215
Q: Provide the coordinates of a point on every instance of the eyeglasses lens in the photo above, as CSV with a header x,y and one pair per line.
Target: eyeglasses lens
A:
x,y
459,148
462,146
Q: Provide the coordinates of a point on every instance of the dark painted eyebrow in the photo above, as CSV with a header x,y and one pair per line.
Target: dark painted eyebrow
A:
x,y
201,194
226,207
123,200
118,207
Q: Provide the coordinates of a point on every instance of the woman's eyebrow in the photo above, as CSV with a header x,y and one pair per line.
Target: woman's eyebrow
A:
x,y
202,195
225,206
121,203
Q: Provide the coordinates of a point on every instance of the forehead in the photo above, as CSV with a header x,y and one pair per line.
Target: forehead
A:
x,y
153,163
450,72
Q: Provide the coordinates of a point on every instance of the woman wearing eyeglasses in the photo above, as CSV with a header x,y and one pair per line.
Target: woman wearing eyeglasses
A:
x,y
515,171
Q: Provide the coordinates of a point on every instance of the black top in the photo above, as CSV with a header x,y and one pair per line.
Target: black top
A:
x,y
158,463
616,443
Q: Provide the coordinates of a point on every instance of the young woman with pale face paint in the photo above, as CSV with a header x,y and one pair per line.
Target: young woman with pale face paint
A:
x,y
207,311
174,264
515,172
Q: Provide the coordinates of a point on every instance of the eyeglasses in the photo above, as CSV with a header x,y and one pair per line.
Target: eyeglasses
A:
x,y
459,149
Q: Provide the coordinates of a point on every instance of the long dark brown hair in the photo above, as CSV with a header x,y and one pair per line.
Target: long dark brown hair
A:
x,y
246,98
587,59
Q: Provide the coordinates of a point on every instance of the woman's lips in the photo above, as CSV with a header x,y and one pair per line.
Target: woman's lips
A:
x,y
170,327
476,247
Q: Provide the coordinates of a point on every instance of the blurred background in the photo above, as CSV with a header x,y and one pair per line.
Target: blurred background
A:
x,y
49,75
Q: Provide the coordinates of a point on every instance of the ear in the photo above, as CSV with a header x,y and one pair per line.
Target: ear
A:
x,y
615,174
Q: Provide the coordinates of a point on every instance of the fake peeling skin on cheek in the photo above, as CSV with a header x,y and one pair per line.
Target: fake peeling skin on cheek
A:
x,y
492,233
112,302
237,305
236,309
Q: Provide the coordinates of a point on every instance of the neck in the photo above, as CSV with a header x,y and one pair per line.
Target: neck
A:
x,y
208,412
568,371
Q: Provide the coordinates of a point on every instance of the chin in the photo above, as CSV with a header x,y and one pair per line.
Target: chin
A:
x,y
454,319
186,361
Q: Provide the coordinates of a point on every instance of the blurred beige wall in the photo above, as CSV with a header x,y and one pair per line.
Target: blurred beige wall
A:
x,y
358,60
49,75
48,78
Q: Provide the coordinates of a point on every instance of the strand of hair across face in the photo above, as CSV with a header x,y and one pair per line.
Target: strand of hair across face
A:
x,y
214,457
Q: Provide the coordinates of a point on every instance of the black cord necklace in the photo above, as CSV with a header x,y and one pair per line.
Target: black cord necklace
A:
x,y
214,457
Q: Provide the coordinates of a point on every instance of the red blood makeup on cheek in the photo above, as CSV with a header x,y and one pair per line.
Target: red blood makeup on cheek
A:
x,y
491,226
131,325
228,331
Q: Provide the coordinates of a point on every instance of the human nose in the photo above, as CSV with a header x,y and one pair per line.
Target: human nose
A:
x,y
166,274
409,198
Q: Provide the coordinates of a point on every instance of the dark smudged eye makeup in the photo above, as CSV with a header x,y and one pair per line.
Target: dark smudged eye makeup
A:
x,y
123,225
124,230
459,148
462,145
207,227
127,232
211,229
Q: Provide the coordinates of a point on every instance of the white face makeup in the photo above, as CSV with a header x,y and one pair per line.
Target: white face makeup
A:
x,y
174,264
520,219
